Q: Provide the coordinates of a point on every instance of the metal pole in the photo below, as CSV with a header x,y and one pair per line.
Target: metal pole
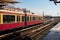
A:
x,y
24,10
43,14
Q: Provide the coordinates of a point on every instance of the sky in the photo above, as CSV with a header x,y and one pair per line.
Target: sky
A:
x,y
40,6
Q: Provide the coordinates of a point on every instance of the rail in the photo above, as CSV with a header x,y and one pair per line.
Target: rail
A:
x,y
30,32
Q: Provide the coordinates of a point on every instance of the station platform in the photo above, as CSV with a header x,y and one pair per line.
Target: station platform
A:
x,y
54,33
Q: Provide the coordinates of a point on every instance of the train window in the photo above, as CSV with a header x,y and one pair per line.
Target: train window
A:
x,y
36,18
8,18
27,18
18,18
23,18
39,18
33,18
0,18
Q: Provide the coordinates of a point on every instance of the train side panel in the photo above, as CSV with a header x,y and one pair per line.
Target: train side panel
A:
x,y
19,23
34,22
11,26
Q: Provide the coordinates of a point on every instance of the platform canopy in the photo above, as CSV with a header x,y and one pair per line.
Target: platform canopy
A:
x,y
8,1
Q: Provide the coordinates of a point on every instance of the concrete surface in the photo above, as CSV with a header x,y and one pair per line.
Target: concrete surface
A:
x,y
54,33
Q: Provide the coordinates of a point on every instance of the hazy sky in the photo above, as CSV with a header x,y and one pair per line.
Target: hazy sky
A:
x,y
38,6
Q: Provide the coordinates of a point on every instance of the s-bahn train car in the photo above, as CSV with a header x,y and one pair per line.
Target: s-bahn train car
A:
x,y
11,19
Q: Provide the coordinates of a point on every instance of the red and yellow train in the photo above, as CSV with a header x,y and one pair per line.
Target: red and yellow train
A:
x,y
10,19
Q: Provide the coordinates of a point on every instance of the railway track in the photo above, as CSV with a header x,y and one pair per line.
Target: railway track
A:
x,y
31,33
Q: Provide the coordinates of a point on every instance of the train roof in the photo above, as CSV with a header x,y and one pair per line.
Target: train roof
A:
x,y
17,11
12,11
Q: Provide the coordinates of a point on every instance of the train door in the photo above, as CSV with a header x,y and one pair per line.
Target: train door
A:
x,y
27,19
22,20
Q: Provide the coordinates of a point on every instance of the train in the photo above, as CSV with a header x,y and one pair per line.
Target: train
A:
x,y
15,18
